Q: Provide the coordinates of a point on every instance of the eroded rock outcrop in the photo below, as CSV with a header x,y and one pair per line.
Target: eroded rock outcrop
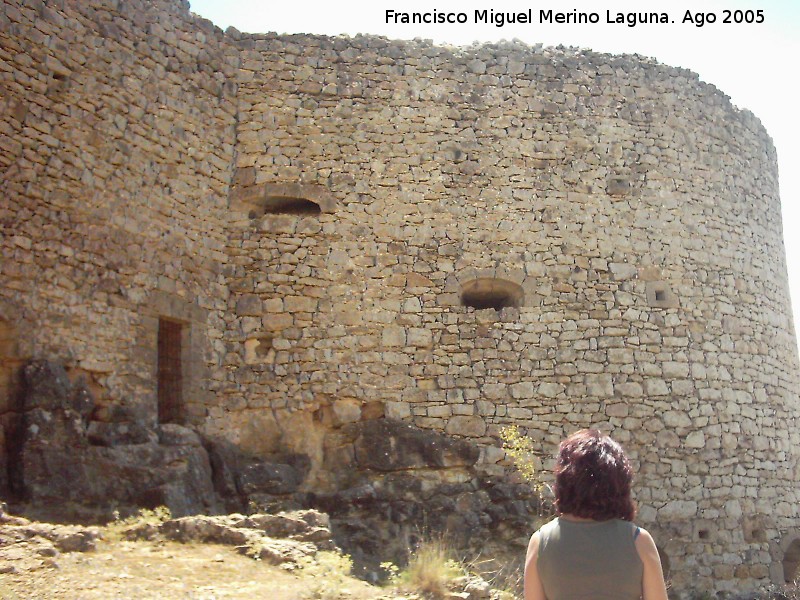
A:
x,y
399,483
387,445
77,459
281,539
243,480
387,482
27,545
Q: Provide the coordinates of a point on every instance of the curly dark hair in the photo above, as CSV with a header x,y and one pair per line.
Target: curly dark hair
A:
x,y
593,478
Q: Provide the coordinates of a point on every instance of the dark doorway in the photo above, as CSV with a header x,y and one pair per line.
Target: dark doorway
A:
x,y
170,371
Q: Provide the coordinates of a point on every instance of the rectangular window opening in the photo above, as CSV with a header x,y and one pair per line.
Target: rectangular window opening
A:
x,y
170,371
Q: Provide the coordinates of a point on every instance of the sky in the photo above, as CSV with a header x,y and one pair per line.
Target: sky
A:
x,y
754,63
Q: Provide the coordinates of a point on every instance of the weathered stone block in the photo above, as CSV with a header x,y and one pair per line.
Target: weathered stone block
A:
x,y
523,389
655,387
618,409
386,445
678,510
421,338
346,411
250,305
631,389
599,385
696,439
549,389
618,186
397,410
623,271
299,304
468,426
393,337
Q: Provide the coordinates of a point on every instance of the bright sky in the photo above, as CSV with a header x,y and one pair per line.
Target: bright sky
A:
x,y
755,64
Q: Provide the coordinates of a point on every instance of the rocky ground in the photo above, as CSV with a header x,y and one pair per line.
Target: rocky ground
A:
x,y
288,556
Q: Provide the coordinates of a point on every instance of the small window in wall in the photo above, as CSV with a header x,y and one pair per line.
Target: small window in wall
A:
x,y
660,295
493,293
791,562
170,371
257,200
285,205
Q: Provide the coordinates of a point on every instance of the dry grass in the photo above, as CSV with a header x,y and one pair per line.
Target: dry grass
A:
x,y
159,570
329,576
115,530
152,567
431,569
506,580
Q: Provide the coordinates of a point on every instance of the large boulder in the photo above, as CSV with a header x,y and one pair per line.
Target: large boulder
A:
x,y
79,460
243,480
398,480
46,386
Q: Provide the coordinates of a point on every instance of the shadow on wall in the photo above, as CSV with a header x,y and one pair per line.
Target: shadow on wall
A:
x,y
10,384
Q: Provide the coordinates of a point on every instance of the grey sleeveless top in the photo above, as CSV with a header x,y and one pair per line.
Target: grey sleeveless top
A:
x,y
594,560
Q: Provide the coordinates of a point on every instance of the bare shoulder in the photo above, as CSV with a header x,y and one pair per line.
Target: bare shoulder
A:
x,y
540,534
644,537
533,584
533,545
645,546
653,587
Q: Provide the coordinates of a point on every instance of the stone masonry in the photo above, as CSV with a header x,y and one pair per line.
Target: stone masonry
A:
x,y
300,235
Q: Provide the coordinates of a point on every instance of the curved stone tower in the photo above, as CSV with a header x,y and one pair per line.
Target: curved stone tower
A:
x,y
341,234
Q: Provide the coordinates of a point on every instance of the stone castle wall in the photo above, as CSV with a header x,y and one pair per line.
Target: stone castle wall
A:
x,y
629,211
118,134
633,205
